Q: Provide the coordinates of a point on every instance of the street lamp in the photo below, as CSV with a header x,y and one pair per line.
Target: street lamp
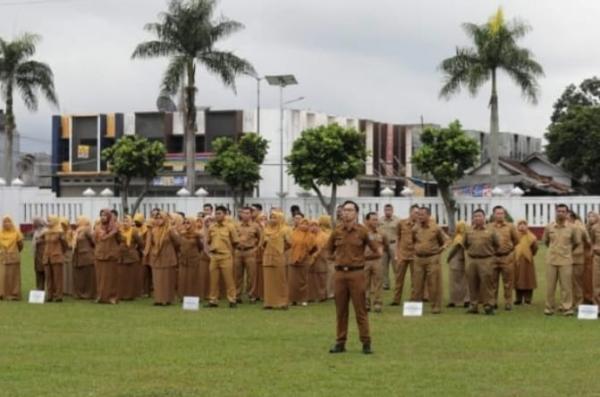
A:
x,y
281,81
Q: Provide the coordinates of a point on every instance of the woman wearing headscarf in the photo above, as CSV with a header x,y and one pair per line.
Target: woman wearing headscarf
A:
x,y
588,279
11,245
55,246
317,273
459,286
326,227
204,263
68,264
143,278
164,245
37,244
84,273
303,246
259,284
189,260
276,243
525,280
107,256
128,270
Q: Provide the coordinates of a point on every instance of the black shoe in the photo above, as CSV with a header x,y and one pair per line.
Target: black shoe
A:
x,y
489,310
473,310
337,348
517,303
367,348
450,305
232,305
395,304
466,305
386,287
238,300
211,304
508,307
495,307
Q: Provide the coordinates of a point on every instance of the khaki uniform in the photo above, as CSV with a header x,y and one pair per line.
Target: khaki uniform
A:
x,y
388,228
405,256
250,235
459,282
429,241
53,258
128,272
595,242
348,245
84,274
504,260
579,264
374,272
481,244
107,256
560,239
37,244
222,238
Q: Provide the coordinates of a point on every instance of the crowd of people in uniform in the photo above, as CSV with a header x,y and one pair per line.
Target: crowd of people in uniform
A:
x,y
282,263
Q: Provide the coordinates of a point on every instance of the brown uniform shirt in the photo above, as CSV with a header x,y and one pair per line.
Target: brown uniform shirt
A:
x,y
406,248
584,237
595,239
250,235
388,228
55,246
222,238
428,239
382,241
133,252
481,242
348,245
83,254
507,237
560,240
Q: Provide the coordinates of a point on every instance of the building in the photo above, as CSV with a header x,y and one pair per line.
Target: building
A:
x,y
77,141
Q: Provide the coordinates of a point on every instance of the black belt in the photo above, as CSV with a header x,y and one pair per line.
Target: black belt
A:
x,y
392,241
427,255
480,256
245,248
505,254
348,268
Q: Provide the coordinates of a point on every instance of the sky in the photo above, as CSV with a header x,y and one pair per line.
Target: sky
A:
x,y
374,59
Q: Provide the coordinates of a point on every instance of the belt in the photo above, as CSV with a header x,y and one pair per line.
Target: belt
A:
x,y
427,255
245,248
505,254
392,241
480,256
349,268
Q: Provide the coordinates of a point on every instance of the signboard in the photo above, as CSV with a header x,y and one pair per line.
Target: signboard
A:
x,y
37,297
83,152
587,312
413,309
178,181
191,303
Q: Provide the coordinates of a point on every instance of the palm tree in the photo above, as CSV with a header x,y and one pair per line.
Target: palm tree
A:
x,y
187,34
495,49
19,72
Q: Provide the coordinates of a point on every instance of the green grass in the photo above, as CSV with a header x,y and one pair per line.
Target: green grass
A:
x,y
135,349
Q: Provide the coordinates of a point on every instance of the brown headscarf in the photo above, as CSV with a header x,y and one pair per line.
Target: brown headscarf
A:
x,y
526,239
302,242
160,232
275,231
105,230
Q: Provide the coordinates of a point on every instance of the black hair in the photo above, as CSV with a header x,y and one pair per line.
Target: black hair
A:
x,y
258,206
562,205
221,208
246,208
294,208
412,207
115,213
426,209
498,207
388,206
351,203
209,205
181,213
479,210
370,214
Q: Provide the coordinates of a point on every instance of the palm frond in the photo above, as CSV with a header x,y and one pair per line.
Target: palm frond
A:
x,y
33,76
463,69
171,82
153,49
226,65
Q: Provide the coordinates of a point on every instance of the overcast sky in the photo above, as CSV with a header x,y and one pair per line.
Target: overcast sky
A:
x,y
373,59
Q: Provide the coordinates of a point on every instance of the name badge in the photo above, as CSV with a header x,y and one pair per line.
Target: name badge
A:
x,y
413,309
191,303
37,297
587,312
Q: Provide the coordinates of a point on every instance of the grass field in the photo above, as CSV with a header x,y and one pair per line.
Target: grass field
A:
x,y
135,349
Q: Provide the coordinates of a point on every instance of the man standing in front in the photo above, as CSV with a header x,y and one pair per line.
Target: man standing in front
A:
x,y
222,239
561,239
347,243
481,243
504,257
387,227
429,241
250,235
405,254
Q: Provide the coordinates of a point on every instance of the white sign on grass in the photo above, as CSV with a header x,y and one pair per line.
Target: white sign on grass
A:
x,y
587,312
413,309
37,297
191,303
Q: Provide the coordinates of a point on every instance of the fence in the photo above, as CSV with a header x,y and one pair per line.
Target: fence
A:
x,y
26,203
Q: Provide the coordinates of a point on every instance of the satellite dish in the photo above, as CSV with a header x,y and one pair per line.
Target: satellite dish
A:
x,y
165,104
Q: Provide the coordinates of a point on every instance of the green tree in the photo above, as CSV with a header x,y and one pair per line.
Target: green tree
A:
x,y
446,154
134,157
495,49
574,134
29,77
187,34
238,163
327,156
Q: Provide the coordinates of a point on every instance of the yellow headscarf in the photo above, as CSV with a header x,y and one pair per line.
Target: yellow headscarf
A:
x,y
9,237
54,225
188,229
274,232
302,242
523,248
83,225
325,223
127,230
66,227
459,234
139,218
321,236
159,233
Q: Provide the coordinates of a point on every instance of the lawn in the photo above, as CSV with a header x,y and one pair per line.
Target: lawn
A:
x,y
135,349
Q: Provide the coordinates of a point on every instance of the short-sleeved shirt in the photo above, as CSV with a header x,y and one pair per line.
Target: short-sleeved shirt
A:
x,y
507,237
560,239
481,242
406,249
595,238
388,227
428,239
348,244
250,235
223,237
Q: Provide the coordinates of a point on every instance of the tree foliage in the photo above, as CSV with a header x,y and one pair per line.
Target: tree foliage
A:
x,y
238,163
446,154
574,134
134,157
327,156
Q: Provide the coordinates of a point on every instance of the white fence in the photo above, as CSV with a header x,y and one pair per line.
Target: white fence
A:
x,y
26,203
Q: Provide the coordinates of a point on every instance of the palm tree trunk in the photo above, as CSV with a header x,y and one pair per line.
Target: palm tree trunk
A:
x,y
9,130
190,128
494,132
